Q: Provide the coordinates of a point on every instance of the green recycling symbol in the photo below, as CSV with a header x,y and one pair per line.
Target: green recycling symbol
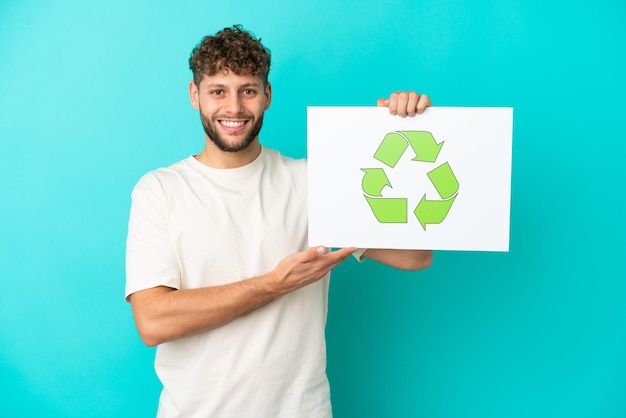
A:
x,y
395,210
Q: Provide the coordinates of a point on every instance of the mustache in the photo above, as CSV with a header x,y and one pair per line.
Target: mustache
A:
x,y
240,115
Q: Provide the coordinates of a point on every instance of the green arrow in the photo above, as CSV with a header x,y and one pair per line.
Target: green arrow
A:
x,y
424,144
388,210
391,149
432,211
444,180
374,181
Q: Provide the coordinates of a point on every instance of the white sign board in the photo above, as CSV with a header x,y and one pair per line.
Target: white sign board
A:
x,y
440,180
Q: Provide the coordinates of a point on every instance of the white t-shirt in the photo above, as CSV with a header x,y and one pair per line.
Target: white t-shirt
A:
x,y
194,226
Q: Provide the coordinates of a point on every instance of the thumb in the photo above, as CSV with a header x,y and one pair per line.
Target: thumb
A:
x,y
314,253
382,102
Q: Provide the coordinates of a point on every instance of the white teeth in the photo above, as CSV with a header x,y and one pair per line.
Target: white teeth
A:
x,y
232,123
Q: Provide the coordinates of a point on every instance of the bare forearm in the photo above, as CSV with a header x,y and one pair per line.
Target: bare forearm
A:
x,y
403,103
401,259
163,314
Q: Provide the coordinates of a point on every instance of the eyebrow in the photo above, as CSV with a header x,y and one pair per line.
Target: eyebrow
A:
x,y
243,86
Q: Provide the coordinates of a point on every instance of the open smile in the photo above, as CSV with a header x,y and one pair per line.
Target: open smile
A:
x,y
233,125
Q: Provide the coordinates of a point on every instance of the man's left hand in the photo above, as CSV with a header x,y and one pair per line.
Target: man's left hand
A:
x,y
405,103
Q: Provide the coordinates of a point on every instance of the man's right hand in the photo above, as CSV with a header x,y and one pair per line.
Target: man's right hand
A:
x,y
300,269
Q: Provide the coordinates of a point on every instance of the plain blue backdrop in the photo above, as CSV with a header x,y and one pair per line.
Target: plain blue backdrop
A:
x,y
94,94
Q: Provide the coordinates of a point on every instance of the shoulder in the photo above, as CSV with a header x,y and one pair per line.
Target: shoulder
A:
x,y
277,159
160,177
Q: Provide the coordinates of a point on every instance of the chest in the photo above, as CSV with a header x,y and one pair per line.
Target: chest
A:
x,y
227,233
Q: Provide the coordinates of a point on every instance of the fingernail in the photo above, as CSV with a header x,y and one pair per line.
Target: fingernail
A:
x,y
321,250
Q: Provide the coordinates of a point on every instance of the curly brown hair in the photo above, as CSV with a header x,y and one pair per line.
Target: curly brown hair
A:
x,y
232,49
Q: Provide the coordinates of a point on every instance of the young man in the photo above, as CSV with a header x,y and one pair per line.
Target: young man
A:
x,y
218,270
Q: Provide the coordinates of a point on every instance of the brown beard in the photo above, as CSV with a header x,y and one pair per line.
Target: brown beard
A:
x,y
214,136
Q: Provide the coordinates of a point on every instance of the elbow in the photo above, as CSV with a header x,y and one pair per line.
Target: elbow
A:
x,y
149,332
149,322
149,340
149,329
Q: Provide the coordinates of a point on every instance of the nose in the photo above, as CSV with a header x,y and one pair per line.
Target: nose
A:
x,y
234,104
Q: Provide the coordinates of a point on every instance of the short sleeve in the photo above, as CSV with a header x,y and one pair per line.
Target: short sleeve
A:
x,y
358,254
150,256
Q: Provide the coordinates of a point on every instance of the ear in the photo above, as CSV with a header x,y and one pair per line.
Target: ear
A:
x,y
194,95
268,95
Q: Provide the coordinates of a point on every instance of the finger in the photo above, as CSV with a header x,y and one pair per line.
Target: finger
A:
x,y
412,104
333,259
343,252
423,103
382,102
322,252
337,257
312,254
393,103
403,101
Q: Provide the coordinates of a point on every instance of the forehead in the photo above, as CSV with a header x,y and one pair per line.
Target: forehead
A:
x,y
229,79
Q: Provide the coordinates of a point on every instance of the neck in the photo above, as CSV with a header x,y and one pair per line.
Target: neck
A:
x,y
214,157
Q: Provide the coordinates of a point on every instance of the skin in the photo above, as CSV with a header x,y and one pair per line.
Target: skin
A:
x,y
236,99
231,108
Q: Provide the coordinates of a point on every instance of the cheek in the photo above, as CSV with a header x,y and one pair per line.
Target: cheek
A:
x,y
262,106
206,108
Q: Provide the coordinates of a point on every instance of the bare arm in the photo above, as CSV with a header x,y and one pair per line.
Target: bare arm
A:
x,y
163,314
401,259
403,103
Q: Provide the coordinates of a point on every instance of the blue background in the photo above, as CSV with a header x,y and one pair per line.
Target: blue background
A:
x,y
94,94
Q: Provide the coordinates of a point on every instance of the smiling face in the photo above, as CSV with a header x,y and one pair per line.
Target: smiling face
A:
x,y
231,108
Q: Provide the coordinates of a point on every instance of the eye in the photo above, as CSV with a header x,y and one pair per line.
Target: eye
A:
x,y
249,92
216,92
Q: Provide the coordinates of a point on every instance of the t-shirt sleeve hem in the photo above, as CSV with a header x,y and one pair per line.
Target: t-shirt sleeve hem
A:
x,y
358,254
134,289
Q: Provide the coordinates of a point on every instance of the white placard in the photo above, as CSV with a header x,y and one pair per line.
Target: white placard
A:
x,y
440,180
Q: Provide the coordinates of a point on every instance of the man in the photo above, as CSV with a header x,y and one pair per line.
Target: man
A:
x,y
218,270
